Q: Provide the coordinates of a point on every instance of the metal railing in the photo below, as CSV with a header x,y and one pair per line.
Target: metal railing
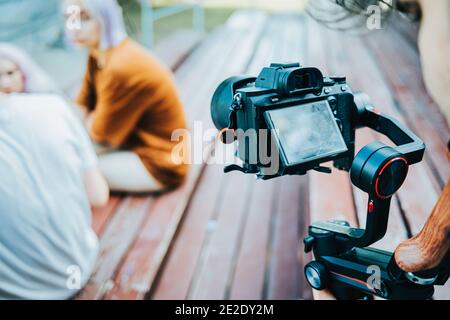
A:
x,y
29,21
149,15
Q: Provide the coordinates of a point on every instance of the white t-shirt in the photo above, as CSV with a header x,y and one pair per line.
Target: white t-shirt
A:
x,y
45,216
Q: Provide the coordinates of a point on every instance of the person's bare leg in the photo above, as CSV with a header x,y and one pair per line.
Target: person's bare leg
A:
x,y
434,47
125,172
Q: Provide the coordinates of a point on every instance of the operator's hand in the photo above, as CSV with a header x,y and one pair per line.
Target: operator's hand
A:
x,y
427,250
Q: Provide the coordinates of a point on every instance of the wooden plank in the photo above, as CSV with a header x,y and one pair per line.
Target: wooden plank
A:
x,y
101,216
284,276
176,275
115,242
305,291
412,61
195,86
207,48
175,49
143,259
249,275
331,198
215,265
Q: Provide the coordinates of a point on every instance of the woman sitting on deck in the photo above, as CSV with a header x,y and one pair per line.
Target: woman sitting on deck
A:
x,y
49,181
131,103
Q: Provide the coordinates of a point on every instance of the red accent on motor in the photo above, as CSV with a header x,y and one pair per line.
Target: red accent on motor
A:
x,y
371,206
390,162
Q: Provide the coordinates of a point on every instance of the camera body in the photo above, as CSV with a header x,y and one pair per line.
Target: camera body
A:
x,y
242,104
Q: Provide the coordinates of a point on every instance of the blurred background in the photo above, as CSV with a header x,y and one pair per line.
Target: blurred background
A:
x,y
37,26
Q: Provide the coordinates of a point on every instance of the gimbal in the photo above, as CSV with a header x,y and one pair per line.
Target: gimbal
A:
x,y
311,120
344,264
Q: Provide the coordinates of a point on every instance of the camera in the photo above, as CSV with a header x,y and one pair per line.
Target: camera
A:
x,y
295,117
309,120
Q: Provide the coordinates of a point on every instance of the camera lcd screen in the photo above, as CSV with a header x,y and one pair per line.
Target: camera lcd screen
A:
x,y
306,132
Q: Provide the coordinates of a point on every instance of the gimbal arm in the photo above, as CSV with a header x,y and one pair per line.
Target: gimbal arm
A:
x,y
379,170
408,144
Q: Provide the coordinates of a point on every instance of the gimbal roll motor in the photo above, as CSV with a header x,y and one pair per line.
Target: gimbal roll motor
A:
x,y
311,120
379,170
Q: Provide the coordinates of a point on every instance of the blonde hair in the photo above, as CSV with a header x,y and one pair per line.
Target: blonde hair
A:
x,y
109,14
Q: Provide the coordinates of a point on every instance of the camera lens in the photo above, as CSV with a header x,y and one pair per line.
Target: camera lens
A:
x,y
221,102
223,98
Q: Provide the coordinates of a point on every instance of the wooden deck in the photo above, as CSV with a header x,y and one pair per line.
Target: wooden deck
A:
x,y
232,237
